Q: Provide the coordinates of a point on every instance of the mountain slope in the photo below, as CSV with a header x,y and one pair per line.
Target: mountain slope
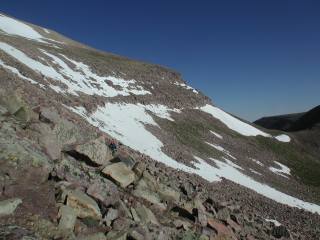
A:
x,y
73,95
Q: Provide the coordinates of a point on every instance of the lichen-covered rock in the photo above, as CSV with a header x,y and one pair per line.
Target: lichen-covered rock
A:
x,y
105,191
95,236
67,217
120,173
83,205
94,151
146,215
8,206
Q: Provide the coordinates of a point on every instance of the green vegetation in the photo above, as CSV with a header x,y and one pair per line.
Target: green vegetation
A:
x,y
191,134
302,164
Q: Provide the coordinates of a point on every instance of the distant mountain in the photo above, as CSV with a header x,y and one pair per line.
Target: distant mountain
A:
x,y
291,122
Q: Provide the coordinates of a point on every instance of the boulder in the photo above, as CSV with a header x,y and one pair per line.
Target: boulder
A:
x,y
182,224
8,206
67,217
223,214
120,173
83,205
16,106
94,236
146,215
122,156
143,191
49,115
105,191
135,215
95,152
112,214
280,231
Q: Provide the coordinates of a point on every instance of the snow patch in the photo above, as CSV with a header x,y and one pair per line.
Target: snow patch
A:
x,y
161,111
185,86
255,172
283,138
232,122
283,171
275,222
257,162
14,27
82,79
216,134
16,71
221,149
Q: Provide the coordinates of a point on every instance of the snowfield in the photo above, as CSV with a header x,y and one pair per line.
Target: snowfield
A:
x,y
14,27
237,125
127,123
232,122
11,26
79,80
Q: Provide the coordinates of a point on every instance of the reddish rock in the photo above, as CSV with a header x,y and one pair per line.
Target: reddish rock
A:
x,y
222,230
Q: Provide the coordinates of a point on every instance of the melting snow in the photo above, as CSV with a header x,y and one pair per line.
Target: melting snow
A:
x,y
16,71
257,162
126,122
255,172
232,122
185,86
80,80
14,27
283,171
283,138
275,222
216,134
221,149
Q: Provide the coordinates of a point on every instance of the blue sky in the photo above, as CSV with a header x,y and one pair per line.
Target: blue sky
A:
x,y
253,58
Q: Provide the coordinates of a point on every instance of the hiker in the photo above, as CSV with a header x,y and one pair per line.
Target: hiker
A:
x,y
113,146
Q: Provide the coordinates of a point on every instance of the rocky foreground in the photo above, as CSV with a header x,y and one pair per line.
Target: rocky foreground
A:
x,y
60,180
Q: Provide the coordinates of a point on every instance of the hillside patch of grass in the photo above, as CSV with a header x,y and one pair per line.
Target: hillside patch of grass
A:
x,y
302,164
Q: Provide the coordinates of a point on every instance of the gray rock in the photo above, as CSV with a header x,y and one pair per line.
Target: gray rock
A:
x,y
135,215
8,206
124,157
83,205
120,173
16,106
68,218
95,236
49,115
136,235
280,231
112,214
150,196
117,235
105,191
146,215
223,214
95,151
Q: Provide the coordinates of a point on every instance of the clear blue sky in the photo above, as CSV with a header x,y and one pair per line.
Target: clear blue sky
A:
x,y
253,58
